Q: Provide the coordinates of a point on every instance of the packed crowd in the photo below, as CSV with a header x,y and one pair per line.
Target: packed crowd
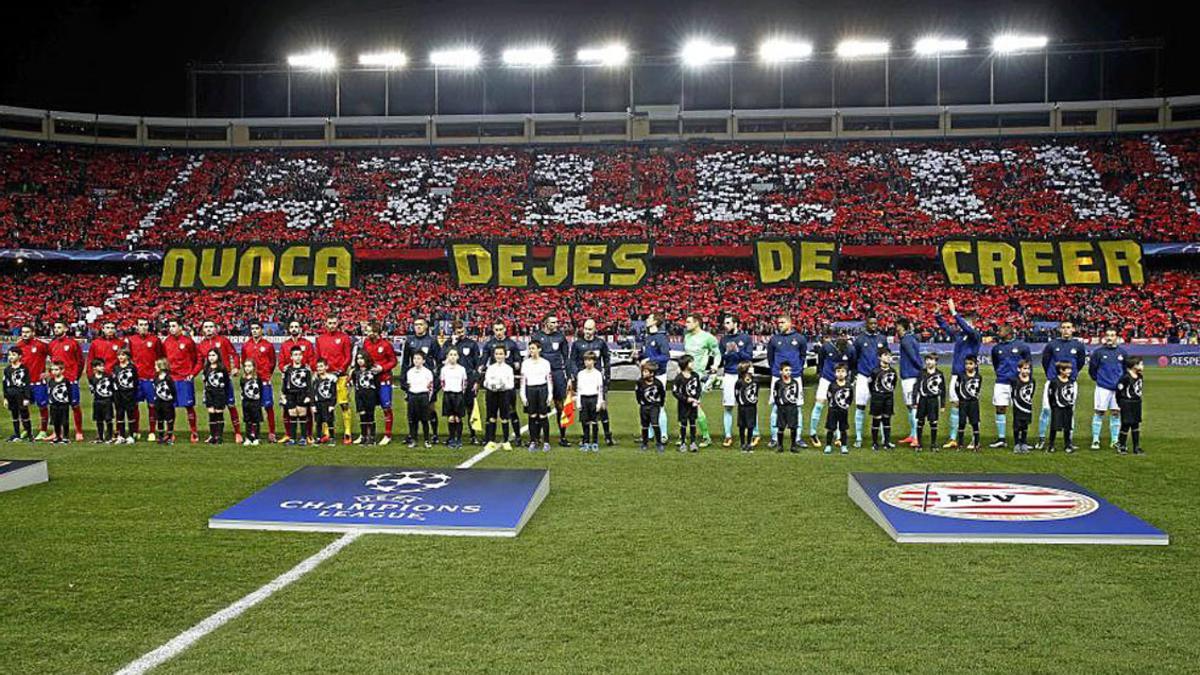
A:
x,y
57,196
1168,306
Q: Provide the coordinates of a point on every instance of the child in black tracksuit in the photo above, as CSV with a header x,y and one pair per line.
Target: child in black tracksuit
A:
x,y
967,387
18,392
1129,400
58,390
104,390
883,402
650,394
324,396
839,398
125,375
164,403
252,404
931,398
218,390
745,394
365,380
686,389
1062,406
1024,391
786,397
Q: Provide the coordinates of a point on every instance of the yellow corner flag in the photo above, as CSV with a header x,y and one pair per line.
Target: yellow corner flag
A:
x,y
476,417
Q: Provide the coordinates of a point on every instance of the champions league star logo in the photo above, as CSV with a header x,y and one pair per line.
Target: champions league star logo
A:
x,y
296,379
403,486
972,388
841,398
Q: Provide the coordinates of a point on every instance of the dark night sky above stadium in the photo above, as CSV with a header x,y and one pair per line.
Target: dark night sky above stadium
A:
x,y
129,57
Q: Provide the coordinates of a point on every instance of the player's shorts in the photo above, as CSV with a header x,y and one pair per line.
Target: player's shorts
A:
x,y
268,396
536,400
185,393
823,389
862,390
216,399
1105,399
882,407
454,404
1002,394
294,401
906,389
385,396
145,391
41,395
771,392
343,390
729,390
558,379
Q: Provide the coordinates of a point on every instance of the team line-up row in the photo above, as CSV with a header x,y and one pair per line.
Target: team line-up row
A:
x,y
569,376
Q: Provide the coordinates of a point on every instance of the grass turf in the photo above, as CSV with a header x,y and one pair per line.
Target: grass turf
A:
x,y
711,562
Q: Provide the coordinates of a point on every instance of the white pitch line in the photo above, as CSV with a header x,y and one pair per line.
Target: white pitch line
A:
x,y
178,644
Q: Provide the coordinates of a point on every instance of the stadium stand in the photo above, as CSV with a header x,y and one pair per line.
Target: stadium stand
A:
x,y
72,197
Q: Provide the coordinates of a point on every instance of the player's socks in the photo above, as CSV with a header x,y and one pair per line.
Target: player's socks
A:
x,y
727,419
1113,429
953,423
702,425
1043,422
912,422
191,417
814,419
271,421
859,415
489,431
1097,426
774,421
77,413
1136,433
662,422
1001,426
933,433
388,419
875,427
44,413
235,421
887,430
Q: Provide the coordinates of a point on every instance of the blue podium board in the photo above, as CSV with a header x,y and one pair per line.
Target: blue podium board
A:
x,y
471,502
995,508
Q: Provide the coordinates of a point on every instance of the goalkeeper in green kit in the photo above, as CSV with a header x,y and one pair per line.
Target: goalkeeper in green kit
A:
x,y
706,356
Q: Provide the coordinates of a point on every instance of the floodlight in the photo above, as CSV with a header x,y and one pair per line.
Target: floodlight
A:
x,y
1011,42
463,57
608,55
531,57
318,59
700,52
932,46
388,59
849,49
776,50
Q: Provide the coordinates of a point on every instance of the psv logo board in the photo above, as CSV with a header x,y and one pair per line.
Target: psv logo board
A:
x,y
995,508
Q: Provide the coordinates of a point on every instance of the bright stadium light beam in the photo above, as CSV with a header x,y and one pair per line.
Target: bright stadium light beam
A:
x,y
615,54
528,57
701,52
933,46
385,59
778,50
317,59
1011,42
463,57
851,49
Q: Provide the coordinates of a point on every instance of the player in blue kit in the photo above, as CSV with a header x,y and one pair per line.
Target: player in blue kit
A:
x,y
866,350
736,348
966,343
831,352
910,369
1007,354
1064,348
790,347
657,351
1106,366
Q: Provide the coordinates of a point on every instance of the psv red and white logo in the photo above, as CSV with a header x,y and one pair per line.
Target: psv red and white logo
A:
x,y
989,501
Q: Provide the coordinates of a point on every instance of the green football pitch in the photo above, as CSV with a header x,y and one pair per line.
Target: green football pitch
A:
x,y
712,562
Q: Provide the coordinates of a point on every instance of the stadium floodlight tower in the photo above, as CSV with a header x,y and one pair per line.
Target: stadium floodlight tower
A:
x,y
1015,43
322,60
611,55
388,60
457,58
778,51
853,49
534,58
935,46
700,52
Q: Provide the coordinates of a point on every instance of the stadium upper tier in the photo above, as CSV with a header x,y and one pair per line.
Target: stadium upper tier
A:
x,y
62,196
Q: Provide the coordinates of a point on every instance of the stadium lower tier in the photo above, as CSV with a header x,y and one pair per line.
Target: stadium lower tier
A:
x,y
1168,305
